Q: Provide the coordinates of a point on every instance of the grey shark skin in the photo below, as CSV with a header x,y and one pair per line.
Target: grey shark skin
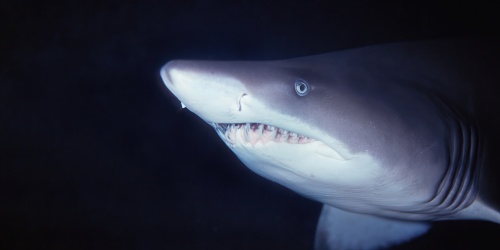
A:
x,y
388,137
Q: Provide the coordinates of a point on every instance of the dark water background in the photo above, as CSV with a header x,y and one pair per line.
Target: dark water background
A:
x,y
95,155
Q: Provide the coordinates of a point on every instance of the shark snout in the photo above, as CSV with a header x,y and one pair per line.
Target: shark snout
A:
x,y
173,72
165,73
213,93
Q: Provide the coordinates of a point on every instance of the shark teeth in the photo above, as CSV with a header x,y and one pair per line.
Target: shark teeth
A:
x,y
257,133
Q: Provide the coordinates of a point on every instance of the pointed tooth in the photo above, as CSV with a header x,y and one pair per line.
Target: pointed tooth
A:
x,y
246,132
182,105
248,126
241,133
284,135
294,138
260,129
278,135
266,134
233,134
274,133
229,132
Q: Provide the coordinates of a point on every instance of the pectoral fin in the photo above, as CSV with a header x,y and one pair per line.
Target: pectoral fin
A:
x,y
341,230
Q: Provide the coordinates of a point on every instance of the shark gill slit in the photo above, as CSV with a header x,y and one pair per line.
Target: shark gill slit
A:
x,y
458,188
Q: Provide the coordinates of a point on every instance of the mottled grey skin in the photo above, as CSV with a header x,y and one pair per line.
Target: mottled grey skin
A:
x,y
426,112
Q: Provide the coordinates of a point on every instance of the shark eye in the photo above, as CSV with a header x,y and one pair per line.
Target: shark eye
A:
x,y
302,87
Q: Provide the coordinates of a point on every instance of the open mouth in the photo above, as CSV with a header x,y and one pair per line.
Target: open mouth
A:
x,y
255,133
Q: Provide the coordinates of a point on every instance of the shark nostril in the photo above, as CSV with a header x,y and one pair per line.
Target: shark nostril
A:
x,y
239,101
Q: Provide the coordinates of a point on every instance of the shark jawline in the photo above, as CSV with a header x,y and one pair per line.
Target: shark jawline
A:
x,y
257,133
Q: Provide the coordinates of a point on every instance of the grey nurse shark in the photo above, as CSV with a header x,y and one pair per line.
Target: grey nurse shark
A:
x,y
388,137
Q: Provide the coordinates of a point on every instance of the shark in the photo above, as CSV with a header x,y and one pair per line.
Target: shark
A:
x,y
389,138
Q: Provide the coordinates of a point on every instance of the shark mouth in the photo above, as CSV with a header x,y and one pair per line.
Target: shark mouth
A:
x,y
257,133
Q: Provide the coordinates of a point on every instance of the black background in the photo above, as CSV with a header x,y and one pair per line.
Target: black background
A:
x,y
96,155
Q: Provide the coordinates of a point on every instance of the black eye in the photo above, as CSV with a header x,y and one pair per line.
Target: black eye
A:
x,y
302,87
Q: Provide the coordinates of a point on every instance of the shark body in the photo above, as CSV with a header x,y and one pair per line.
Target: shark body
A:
x,y
388,137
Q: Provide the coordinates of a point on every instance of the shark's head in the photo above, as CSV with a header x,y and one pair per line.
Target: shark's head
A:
x,y
353,139
270,118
